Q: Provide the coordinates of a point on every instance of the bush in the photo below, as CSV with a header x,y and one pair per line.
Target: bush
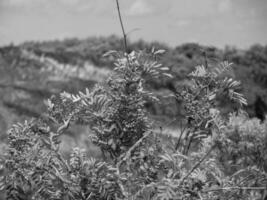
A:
x,y
214,157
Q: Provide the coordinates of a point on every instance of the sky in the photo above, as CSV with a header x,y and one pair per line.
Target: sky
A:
x,y
239,23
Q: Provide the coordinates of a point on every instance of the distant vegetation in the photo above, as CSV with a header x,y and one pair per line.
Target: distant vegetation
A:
x,y
33,71
250,66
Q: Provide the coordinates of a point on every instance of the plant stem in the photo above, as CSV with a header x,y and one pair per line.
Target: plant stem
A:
x,y
179,139
189,144
122,27
205,58
128,153
65,125
127,156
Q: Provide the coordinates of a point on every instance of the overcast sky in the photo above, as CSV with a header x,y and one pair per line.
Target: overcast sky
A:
x,y
211,22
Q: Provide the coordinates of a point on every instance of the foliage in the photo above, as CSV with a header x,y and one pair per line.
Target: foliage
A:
x,y
245,143
204,162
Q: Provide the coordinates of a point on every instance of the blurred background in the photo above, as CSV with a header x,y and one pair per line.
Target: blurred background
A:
x,y
51,46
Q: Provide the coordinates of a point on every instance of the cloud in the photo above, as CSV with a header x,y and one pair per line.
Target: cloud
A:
x,y
224,6
140,8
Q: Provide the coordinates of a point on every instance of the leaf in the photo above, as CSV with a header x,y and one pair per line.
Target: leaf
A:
x,y
160,51
168,75
110,53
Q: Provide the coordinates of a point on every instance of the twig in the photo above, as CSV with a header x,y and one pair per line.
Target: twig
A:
x,y
206,60
197,164
186,140
169,123
128,153
124,193
60,157
189,144
180,137
200,196
135,29
58,175
122,27
235,188
64,126
153,184
89,196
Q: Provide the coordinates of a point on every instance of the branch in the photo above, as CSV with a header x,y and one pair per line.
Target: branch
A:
x,y
128,153
64,126
122,27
